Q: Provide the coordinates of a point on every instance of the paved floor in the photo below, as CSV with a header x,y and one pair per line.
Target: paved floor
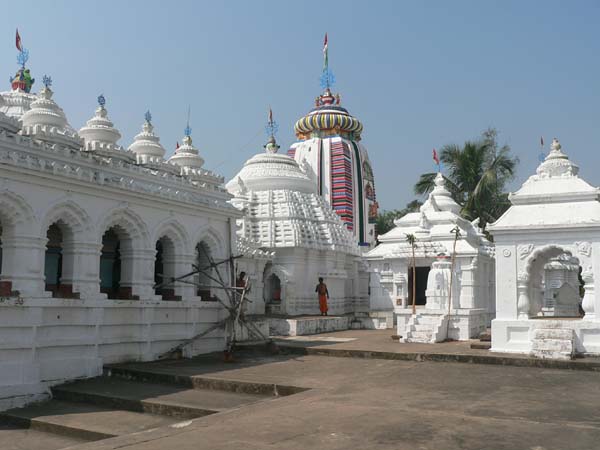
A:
x,y
383,404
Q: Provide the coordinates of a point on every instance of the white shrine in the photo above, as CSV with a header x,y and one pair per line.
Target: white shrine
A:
x,y
434,228
87,230
283,214
547,261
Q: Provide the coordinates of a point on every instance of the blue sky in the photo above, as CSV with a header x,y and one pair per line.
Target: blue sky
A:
x,y
417,74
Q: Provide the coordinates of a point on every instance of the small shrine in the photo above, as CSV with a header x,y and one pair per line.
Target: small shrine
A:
x,y
451,300
545,264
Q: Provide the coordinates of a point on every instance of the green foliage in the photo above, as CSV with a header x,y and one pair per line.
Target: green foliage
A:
x,y
385,219
476,176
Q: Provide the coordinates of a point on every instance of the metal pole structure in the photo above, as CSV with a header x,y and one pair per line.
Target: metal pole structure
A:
x,y
456,232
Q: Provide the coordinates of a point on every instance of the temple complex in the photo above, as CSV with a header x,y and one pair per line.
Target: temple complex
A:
x,y
285,215
439,232
547,250
330,143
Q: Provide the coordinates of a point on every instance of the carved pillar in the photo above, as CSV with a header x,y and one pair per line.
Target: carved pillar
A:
x,y
137,274
589,298
523,297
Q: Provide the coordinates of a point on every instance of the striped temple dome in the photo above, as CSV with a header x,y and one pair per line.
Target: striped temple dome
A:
x,y
328,118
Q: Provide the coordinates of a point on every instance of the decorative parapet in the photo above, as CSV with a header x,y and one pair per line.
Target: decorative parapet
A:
x,y
32,154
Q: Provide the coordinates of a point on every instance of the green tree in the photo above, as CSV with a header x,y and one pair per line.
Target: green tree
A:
x,y
385,219
476,176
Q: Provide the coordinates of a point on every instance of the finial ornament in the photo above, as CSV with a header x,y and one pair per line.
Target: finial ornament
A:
x,y
272,127
148,116
555,147
101,101
188,130
47,80
327,77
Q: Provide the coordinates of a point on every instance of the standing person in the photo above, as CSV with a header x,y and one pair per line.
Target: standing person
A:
x,y
321,289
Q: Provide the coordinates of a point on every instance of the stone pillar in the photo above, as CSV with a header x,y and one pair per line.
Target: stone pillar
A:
x,y
137,273
23,263
589,298
523,298
438,286
81,269
180,266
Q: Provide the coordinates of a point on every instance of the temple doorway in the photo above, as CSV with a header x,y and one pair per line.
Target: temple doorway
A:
x,y
422,273
203,257
556,287
164,268
272,289
53,261
110,263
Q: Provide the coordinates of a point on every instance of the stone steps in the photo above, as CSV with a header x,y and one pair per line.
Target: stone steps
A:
x,y
86,422
129,401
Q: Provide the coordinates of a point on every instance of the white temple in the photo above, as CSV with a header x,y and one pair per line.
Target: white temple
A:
x,y
547,250
284,214
87,230
434,228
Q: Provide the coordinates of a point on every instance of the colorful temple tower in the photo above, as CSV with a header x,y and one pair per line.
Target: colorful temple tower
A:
x,y
329,142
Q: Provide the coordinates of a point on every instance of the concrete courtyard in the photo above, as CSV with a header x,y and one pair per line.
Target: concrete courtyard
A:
x,y
356,403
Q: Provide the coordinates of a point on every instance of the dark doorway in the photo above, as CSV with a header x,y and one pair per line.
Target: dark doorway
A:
x,y
422,273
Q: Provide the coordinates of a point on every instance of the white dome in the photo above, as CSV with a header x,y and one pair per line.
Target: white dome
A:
x,y
187,155
270,170
46,121
99,131
282,208
146,145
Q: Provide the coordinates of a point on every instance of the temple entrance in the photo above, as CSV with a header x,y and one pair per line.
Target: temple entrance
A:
x,y
110,263
164,268
556,287
53,259
272,290
421,275
203,256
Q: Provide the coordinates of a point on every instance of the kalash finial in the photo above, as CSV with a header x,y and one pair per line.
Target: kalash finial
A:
x,y
148,117
188,130
271,128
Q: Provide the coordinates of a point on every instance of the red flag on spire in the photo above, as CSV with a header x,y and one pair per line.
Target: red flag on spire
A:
x,y
18,41
542,140
435,157
176,145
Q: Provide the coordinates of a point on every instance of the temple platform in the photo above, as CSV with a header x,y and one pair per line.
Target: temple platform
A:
x,y
305,325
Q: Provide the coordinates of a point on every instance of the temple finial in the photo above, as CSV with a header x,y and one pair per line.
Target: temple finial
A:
x,y
327,77
148,117
47,80
101,101
271,129
188,129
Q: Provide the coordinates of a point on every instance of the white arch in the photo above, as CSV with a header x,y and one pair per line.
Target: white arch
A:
x,y
172,229
73,215
129,221
214,239
15,213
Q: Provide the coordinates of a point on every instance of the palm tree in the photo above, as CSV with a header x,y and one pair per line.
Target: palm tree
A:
x,y
477,174
411,239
